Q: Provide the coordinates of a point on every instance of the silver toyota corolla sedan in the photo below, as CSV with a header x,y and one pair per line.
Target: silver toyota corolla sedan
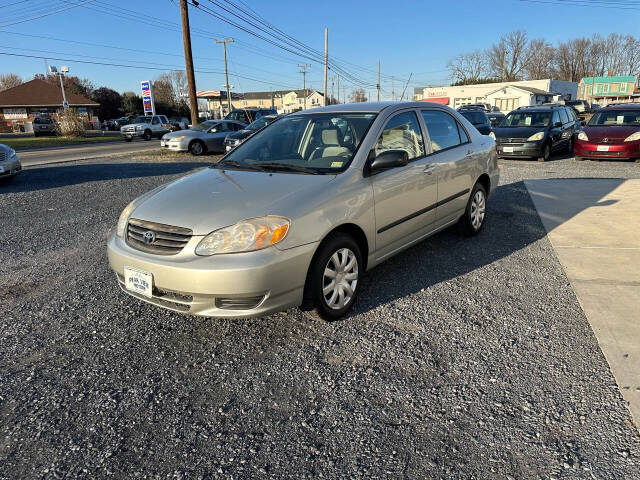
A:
x,y
297,213
202,138
9,163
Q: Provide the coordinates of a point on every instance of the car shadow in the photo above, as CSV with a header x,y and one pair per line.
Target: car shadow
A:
x,y
46,177
511,225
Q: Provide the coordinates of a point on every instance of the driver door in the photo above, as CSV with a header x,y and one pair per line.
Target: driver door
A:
x,y
404,197
216,136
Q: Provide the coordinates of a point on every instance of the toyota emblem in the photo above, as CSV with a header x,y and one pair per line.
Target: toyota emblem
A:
x,y
149,237
605,140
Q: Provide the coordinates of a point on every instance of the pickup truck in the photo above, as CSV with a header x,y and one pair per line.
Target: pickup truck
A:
x,y
146,127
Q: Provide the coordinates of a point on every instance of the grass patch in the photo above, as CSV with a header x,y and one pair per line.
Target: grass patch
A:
x,y
24,143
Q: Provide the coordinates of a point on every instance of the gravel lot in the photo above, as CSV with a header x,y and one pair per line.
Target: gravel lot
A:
x,y
464,358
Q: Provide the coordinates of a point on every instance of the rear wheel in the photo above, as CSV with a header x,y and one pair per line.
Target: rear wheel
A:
x,y
546,153
333,281
197,148
474,215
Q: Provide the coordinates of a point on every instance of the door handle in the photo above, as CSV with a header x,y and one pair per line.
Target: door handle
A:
x,y
429,169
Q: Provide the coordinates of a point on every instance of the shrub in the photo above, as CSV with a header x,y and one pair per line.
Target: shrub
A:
x,y
71,123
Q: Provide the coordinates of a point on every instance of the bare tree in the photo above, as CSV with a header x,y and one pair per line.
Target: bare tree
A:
x,y
163,90
631,56
468,67
507,58
9,80
539,60
358,95
178,79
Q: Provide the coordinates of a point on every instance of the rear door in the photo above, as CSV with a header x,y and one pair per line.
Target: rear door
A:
x,y
452,160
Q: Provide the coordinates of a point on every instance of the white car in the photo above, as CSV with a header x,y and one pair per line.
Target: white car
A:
x,y
146,127
9,163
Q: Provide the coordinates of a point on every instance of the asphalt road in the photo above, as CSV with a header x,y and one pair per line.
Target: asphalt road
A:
x,y
464,358
83,152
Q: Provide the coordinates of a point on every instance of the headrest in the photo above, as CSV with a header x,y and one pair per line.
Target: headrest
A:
x,y
330,136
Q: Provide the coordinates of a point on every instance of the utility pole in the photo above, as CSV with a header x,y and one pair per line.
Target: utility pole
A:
x,y
188,60
326,57
378,85
339,89
303,71
226,73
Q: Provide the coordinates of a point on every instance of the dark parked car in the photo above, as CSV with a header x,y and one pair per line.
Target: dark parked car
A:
x,y
477,118
580,106
612,132
236,138
537,132
495,118
44,126
178,123
485,107
248,115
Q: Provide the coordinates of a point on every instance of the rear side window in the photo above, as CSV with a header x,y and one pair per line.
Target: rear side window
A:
x,y
402,132
443,130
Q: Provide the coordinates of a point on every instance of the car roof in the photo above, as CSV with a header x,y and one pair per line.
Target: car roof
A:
x,y
368,107
623,106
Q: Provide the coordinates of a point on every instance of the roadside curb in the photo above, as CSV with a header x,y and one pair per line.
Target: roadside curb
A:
x,y
35,163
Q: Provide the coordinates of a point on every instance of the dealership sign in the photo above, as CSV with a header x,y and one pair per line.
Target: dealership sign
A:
x,y
14,113
147,97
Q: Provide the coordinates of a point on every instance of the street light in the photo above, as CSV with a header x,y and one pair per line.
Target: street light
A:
x,y
63,69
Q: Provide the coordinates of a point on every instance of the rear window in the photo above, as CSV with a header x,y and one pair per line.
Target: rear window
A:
x,y
475,117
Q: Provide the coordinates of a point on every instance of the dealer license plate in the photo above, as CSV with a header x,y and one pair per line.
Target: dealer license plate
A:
x,y
138,281
507,149
603,148
163,143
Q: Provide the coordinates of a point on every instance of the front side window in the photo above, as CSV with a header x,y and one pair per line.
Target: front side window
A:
x,y
303,143
443,130
145,119
402,132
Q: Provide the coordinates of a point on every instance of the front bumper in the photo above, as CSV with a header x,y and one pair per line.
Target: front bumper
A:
x,y
519,150
181,146
205,285
623,151
132,134
9,168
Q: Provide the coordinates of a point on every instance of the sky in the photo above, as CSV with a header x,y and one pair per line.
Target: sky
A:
x,y
414,38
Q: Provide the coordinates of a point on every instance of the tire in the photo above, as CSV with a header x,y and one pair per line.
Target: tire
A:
x,y
147,135
197,148
341,255
475,214
546,153
36,134
127,139
570,146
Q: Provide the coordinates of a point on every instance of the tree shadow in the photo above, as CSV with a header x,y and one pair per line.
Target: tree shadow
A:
x,y
46,177
511,225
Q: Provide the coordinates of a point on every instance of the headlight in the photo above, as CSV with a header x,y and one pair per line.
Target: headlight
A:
x,y
583,136
492,135
12,154
633,137
177,139
245,236
128,210
139,127
535,137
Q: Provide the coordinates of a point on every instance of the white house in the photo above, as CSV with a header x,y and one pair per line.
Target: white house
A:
x,y
513,96
456,96
295,100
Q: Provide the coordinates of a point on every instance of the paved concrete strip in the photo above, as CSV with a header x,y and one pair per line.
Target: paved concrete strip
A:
x,y
594,227
84,152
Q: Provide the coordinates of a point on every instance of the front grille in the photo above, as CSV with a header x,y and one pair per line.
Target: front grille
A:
x,y
3,156
165,239
610,141
244,303
129,129
511,140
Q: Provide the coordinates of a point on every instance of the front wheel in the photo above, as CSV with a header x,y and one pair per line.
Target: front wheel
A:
x,y
197,148
474,215
128,139
147,135
546,153
334,277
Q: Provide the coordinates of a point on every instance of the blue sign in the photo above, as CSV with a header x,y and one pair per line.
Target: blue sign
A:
x,y
147,97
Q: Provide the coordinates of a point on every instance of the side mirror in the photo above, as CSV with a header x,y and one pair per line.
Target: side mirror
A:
x,y
583,123
389,159
557,125
213,130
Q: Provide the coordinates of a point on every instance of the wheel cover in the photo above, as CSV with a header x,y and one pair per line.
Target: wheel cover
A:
x,y
340,279
478,209
196,148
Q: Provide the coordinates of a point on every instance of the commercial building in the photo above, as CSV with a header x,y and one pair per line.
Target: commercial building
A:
x,y
609,89
20,105
504,96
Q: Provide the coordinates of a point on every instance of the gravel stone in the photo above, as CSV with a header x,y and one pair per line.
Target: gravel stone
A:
x,y
463,358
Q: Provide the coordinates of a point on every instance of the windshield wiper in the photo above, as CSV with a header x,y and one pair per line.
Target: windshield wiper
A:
x,y
287,166
236,164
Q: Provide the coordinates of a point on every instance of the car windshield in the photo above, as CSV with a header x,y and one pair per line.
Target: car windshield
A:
x,y
310,143
475,117
613,118
145,119
527,119
204,126
258,124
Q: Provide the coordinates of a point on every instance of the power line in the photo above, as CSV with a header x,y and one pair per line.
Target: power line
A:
x,y
68,7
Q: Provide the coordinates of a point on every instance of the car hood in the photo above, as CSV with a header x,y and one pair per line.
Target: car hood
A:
x,y
241,134
183,133
516,132
612,132
213,198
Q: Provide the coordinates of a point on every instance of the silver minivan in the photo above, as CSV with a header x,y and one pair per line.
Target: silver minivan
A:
x,y
295,215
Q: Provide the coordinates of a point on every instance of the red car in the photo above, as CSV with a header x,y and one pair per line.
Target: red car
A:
x,y
612,132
